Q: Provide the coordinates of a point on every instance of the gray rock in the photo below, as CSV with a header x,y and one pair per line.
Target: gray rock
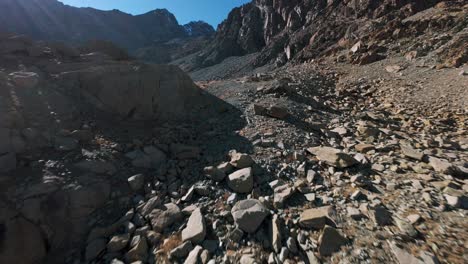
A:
x,y
247,259
196,228
330,241
402,256
414,218
188,196
283,255
138,249
292,245
214,173
164,218
333,157
236,235
241,181
316,218
249,214
194,256
354,213
136,182
405,227
282,193
312,176
440,165
275,234
204,256
381,216
181,251
150,205
118,242
241,161
225,167
412,153
278,111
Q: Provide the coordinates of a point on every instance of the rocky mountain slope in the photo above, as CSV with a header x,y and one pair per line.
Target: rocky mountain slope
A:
x,y
51,95
53,21
359,155
282,31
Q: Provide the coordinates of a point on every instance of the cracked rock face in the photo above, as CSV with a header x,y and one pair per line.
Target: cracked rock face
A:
x,y
196,228
136,90
249,214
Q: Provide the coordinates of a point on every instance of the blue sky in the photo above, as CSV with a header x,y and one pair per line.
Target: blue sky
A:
x,y
211,11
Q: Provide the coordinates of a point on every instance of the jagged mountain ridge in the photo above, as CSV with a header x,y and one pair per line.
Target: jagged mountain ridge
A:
x,y
299,30
53,21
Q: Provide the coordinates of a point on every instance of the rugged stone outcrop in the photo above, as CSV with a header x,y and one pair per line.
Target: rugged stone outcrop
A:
x,y
281,31
45,90
136,90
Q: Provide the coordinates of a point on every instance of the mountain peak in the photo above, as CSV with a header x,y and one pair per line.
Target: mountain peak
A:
x,y
52,20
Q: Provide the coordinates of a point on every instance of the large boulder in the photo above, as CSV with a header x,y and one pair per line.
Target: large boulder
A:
x,y
138,91
196,228
249,214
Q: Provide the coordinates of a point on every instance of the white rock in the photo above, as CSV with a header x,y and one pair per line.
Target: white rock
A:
x,y
241,181
196,228
249,214
136,182
194,256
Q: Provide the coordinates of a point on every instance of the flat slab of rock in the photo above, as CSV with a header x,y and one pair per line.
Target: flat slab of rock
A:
x,y
330,241
118,242
194,256
214,173
181,251
412,153
138,249
333,157
441,165
161,219
196,228
381,216
249,214
364,148
241,160
404,257
241,181
316,218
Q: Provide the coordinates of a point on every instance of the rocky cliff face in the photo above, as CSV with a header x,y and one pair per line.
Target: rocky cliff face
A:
x,y
52,20
295,29
46,89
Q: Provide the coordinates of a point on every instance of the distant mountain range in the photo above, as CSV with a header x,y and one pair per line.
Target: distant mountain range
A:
x,y
51,20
